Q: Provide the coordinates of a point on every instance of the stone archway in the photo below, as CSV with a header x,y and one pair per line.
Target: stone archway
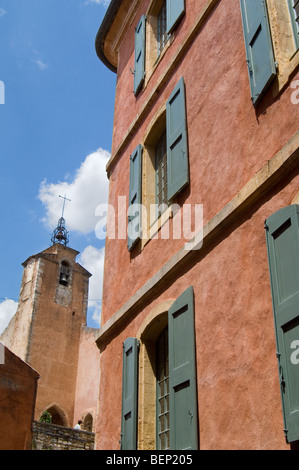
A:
x,y
58,415
88,422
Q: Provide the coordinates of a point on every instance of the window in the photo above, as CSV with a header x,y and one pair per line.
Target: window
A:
x,y
171,362
294,10
152,34
159,169
282,236
162,400
161,29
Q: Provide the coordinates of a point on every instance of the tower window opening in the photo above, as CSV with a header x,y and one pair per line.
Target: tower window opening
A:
x,y
64,277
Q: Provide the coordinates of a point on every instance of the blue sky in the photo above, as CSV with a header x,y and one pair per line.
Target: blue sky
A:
x,y
55,135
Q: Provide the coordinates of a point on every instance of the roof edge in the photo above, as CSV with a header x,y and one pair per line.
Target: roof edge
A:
x,y
104,30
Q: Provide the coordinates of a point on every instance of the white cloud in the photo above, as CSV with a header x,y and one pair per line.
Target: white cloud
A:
x,y
88,189
2,12
7,310
40,64
105,3
93,260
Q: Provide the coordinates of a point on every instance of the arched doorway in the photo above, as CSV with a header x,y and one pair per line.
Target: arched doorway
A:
x,y
57,415
88,422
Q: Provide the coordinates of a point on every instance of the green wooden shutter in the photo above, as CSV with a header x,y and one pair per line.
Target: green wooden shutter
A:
x,y
282,233
129,394
139,70
182,374
175,10
259,49
135,198
176,136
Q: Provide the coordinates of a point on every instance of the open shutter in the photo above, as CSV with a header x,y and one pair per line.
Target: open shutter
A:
x,y
258,43
282,233
182,374
135,196
175,10
176,136
139,69
129,394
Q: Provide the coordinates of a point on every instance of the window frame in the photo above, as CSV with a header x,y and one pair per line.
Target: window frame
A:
x,y
286,53
177,178
161,167
162,35
162,339
295,21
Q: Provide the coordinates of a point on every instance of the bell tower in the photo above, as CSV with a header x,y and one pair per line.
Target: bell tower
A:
x,y
45,331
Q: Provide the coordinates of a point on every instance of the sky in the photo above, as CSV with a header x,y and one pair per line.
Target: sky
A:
x,y
56,118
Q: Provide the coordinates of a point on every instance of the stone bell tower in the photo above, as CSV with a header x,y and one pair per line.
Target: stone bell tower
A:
x,y
45,331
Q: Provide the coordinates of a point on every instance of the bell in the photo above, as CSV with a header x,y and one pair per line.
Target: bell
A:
x,y
59,236
63,279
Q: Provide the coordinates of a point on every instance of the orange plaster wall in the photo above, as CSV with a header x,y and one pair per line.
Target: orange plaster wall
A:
x,y
229,141
239,402
88,375
18,384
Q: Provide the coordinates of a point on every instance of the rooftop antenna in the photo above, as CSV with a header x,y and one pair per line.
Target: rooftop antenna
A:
x,y
60,234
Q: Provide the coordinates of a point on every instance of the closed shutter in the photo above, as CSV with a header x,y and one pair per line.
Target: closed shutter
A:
x,y
176,136
282,233
182,374
175,10
135,198
139,70
259,49
129,394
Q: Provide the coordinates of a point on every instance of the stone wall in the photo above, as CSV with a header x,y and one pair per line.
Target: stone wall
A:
x,y
54,437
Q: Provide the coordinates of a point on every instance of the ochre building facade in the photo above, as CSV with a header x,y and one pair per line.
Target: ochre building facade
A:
x,y
199,337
